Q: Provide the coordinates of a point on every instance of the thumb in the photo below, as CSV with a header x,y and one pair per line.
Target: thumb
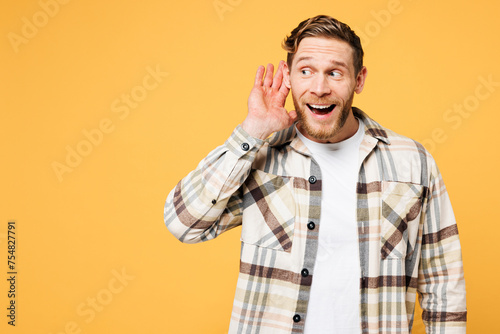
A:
x,y
293,116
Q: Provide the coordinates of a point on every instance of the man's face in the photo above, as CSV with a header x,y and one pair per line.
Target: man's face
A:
x,y
323,81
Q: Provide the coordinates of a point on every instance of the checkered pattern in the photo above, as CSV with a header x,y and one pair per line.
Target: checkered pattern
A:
x,y
408,238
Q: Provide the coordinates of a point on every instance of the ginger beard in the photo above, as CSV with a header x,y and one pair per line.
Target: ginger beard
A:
x,y
322,130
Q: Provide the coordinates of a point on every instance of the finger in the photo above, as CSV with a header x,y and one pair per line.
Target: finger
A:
x,y
293,116
268,80
278,78
258,76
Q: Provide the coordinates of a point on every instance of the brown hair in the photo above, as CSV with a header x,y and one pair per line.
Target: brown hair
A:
x,y
324,26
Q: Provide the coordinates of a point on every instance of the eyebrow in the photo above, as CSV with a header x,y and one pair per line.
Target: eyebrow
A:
x,y
334,62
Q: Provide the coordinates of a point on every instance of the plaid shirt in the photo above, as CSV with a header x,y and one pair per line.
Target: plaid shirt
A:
x,y
408,238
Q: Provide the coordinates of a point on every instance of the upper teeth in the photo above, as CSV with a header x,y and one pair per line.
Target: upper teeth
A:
x,y
320,106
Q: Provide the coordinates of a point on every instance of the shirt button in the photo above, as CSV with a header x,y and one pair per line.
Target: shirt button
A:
x,y
304,272
245,146
296,318
312,179
214,201
311,225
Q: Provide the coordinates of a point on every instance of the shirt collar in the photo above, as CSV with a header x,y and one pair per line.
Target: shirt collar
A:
x,y
372,128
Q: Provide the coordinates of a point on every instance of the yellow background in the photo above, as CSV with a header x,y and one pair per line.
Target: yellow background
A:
x,y
76,232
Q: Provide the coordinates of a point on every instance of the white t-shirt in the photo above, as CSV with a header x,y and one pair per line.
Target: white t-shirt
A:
x,y
334,301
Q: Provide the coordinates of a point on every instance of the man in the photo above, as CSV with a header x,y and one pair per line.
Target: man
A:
x,y
343,221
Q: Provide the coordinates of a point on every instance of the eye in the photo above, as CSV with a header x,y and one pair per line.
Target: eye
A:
x,y
305,72
335,74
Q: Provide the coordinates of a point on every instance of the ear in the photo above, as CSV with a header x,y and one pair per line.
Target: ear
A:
x,y
360,80
286,75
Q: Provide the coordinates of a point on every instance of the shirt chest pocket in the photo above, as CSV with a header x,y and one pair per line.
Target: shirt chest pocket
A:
x,y
401,208
269,211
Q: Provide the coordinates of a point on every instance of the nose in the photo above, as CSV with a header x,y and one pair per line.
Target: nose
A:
x,y
319,86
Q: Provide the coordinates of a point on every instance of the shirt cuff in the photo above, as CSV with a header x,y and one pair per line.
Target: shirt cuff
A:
x,y
240,143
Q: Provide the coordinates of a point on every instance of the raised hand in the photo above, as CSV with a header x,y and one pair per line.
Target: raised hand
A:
x,y
266,104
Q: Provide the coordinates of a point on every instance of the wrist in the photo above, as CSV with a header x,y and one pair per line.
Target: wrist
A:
x,y
254,129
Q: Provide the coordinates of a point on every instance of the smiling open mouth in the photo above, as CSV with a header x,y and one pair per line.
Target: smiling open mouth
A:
x,y
321,109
